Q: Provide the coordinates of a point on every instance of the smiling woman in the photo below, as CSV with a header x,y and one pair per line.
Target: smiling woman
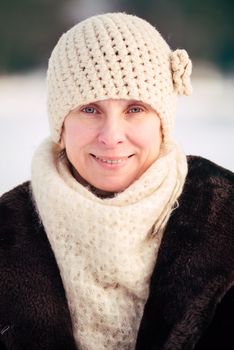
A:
x,y
111,143
118,241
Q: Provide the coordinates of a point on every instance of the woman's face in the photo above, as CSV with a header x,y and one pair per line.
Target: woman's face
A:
x,y
111,143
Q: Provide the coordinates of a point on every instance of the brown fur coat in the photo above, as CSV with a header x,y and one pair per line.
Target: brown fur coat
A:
x,y
191,300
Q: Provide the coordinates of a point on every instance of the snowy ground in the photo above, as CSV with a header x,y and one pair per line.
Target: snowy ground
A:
x,y
204,123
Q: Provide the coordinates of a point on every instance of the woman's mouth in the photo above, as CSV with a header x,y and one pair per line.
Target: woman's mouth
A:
x,y
111,160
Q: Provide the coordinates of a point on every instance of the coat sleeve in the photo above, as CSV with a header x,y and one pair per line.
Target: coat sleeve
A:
x,y
34,313
220,333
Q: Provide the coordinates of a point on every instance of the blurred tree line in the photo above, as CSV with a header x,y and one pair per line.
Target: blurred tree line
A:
x,y
204,27
29,29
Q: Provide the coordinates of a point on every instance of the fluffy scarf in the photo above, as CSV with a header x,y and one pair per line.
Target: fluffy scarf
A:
x,y
106,248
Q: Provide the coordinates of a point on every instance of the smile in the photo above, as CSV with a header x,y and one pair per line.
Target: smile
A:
x,y
109,160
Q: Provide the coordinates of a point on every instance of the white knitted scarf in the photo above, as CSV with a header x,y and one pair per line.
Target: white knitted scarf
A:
x,y
106,248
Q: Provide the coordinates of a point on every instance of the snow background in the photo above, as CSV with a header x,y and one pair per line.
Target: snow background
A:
x,y
204,121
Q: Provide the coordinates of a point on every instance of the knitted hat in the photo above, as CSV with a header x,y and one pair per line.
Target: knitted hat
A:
x,y
117,56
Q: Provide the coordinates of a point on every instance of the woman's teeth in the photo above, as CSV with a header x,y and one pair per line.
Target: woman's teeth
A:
x,y
111,161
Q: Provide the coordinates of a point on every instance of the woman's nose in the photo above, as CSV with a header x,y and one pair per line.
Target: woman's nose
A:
x,y
112,133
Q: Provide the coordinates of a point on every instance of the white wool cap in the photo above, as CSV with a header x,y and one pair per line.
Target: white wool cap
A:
x,y
119,56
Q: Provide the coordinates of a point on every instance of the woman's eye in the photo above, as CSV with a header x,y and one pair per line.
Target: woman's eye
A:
x,y
135,109
89,110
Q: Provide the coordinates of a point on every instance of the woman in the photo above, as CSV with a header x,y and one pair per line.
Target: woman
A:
x,y
119,241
